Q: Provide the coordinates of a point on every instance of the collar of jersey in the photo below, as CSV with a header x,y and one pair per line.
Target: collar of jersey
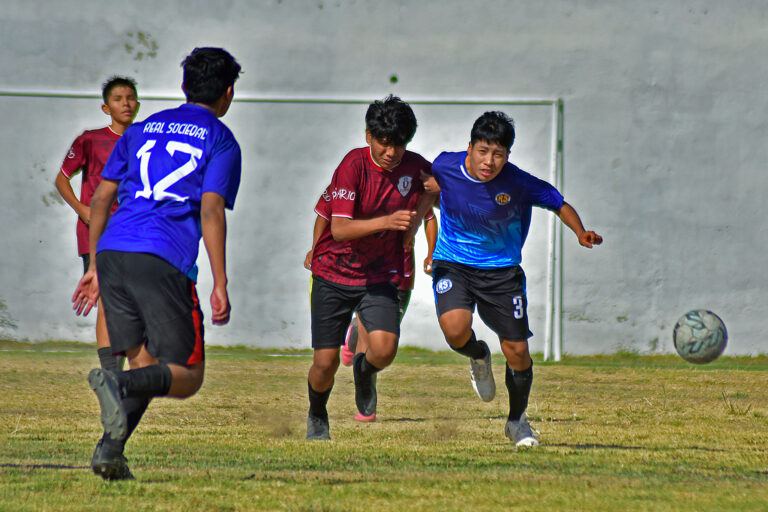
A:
x,y
466,173
377,166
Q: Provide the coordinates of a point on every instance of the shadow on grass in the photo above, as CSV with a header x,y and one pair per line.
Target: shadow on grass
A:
x,y
42,466
598,446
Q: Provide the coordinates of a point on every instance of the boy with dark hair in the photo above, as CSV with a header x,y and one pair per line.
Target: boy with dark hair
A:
x,y
89,153
486,206
358,260
174,174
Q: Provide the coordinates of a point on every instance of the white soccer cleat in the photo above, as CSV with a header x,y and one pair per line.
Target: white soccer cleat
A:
x,y
520,432
481,375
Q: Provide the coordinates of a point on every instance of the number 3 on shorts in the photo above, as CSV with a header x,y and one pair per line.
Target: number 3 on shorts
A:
x,y
519,307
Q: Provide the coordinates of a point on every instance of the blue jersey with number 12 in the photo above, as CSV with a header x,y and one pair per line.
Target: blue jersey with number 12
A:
x,y
164,165
484,224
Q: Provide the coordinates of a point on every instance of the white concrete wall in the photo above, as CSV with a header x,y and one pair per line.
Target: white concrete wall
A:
x,y
664,146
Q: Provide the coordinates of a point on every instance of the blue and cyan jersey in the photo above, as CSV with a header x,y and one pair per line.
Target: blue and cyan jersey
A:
x,y
484,224
164,165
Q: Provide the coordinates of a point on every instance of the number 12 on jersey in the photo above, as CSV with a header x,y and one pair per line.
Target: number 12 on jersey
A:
x,y
160,190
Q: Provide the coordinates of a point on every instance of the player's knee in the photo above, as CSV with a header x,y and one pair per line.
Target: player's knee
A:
x,y
516,353
326,366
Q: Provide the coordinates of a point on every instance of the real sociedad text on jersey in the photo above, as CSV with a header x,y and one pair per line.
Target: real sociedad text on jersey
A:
x,y
189,129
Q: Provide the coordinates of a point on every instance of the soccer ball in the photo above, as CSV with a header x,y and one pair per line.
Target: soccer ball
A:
x,y
700,336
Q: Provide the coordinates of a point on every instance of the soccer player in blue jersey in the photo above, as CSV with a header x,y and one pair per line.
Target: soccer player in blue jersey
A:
x,y
485,204
173,174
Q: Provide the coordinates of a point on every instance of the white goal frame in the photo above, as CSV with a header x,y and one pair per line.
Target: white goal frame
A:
x,y
553,337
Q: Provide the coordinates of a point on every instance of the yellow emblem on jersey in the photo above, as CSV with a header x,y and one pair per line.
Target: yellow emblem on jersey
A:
x,y
502,198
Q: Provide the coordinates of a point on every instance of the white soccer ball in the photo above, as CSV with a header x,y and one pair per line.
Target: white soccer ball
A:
x,y
700,336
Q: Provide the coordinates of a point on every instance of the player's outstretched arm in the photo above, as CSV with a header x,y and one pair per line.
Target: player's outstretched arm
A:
x,y
87,291
571,219
214,226
343,228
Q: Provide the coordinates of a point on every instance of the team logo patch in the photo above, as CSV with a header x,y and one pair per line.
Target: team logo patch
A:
x,y
404,185
443,285
502,198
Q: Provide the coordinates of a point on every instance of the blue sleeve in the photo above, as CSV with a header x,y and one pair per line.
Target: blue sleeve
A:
x,y
541,193
222,174
117,163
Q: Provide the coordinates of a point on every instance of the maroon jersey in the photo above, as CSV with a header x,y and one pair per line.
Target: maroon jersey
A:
x,y
323,209
360,189
89,152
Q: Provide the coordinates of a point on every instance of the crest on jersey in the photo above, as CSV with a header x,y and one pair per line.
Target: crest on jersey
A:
x,y
502,198
443,285
404,185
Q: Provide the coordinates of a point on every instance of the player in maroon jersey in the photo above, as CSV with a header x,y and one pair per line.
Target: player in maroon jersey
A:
x,y
89,153
354,333
357,262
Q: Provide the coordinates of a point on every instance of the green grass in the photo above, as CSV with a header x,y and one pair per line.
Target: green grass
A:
x,y
624,432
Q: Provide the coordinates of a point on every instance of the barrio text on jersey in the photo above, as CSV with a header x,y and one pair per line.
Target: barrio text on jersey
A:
x,y
342,193
189,129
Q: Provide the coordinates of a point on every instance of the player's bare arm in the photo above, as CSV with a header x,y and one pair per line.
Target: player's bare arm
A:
x,y
65,189
320,224
430,229
422,207
214,227
343,228
571,219
87,292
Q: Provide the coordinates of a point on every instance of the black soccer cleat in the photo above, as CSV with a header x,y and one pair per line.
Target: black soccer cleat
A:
x,y
109,462
365,389
113,417
318,428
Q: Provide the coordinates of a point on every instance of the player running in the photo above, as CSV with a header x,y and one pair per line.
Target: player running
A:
x,y
174,174
485,212
358,259
404,289
89,153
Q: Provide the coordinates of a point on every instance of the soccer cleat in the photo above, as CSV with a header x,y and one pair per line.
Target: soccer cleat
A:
x,y
365,419
318,428
350,344
520,432
481,374
365,389
110,463
113,416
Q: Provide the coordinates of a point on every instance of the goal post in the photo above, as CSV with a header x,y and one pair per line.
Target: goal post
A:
x,y
553,337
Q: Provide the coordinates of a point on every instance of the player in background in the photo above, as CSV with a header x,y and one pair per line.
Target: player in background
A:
x,y
351,346
485,213
173,174
89,153
357,262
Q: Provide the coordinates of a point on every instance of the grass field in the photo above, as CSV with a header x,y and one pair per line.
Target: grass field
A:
x,y
622,432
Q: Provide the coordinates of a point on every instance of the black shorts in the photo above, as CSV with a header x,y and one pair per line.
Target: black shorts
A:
x,y
332,306
403,299
86,262
147,300
498,293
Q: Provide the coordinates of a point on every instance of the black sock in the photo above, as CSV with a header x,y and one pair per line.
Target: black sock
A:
x,y
318,401
364,367
147,382
107,360
472,348
519,387
134,409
